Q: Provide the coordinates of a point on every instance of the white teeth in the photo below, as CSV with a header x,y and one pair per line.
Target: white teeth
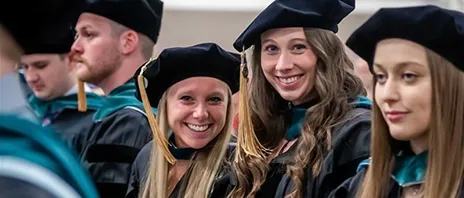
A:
x,y
289,80
199,128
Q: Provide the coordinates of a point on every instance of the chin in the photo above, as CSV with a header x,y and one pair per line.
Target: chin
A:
x,y
86,77
42,95
401,135
289,96
81,74
197,145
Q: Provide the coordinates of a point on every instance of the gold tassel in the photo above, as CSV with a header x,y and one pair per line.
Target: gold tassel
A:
x,y
160,139
81,97
247,141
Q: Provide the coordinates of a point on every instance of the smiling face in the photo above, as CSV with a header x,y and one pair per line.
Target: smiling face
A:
x,y
403,90
288,63
197,110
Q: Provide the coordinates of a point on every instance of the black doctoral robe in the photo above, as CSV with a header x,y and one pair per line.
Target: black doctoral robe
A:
x,y
140,168
109,146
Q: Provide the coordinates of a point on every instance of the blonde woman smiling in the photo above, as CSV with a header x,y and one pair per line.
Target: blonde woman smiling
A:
x,y
192,88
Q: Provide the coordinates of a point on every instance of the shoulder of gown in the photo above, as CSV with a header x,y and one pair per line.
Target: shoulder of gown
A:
x,y
70,122
350,145
140,167
349,187
139,171
109,149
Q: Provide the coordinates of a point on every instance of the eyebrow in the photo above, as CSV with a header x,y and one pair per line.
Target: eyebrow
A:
x,y
40,62
214,93
399,65
291,40
35,63
84,27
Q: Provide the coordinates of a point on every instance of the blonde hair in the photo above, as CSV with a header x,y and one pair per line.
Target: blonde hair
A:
x,y
445,167
335,85
204,166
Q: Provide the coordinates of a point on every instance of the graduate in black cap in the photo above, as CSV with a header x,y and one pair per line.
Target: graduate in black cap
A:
x,y
35,162
17,36
192,88
415,54
51,77
113,39
305,125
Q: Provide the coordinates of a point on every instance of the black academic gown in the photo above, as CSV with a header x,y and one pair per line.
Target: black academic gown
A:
x,y
350,145
349,188
111,143
140,172
70,122
23,138
63,115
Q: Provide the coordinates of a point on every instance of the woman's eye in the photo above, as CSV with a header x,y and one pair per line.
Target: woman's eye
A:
x,y
215,99
380,78
186,98
409,76
299,47
271,49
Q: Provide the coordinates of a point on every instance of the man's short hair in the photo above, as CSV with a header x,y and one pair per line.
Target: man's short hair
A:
x,y
146,44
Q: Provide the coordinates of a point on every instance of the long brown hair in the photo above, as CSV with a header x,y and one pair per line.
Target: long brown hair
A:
x,y
445,167
203,169
335,84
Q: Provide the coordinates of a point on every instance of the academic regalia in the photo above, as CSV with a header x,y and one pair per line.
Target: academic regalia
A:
x,y
350,145
325,14
350,139
143,16
37,158
110,144
445,36
444,31
62,113
139,171
34,157
32,32
140,168
172,66
40,26
409,170
120,127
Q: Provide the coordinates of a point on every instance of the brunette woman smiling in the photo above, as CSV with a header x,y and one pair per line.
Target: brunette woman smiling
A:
x,y
305,126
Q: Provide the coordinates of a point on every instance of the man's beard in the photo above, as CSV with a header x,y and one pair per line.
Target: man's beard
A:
x,y
97,74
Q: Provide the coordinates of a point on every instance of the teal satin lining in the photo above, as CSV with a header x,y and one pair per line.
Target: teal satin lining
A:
x,y
121,97
45,108
410,170
298,115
